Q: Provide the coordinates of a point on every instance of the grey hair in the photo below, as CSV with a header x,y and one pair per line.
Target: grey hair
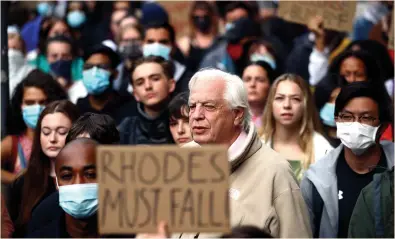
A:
x,y
235,92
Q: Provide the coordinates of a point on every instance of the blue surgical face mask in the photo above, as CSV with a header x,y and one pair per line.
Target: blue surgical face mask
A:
x,y
327,114
264,57
76,18
96,80
31,113
156,49
79,200
44,9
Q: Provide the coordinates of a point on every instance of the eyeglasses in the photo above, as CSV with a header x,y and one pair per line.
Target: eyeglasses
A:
x,y
363,119
88,66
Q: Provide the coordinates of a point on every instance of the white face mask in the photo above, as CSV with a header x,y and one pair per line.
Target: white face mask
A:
x,y
15,59
357,137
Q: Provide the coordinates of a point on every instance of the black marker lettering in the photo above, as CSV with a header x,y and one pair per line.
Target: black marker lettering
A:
x,y
173,205
220,172
188,206
113,204
192,165
169,156
107,158
147,157
211,201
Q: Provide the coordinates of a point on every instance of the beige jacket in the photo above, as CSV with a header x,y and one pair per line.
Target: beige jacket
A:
x,y
264,192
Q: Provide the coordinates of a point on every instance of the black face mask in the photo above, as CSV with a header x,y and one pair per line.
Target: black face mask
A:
x,y
131,51
203,24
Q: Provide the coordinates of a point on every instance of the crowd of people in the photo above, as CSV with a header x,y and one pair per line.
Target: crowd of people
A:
x,y
305,112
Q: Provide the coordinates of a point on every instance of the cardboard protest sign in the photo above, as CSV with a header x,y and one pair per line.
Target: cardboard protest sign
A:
x,y
140,186
337,15
391,33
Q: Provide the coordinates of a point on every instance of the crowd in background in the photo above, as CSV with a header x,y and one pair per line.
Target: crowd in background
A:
x,y
119,73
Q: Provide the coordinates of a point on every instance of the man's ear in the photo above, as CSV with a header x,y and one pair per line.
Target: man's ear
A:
x,y
239,115
172,85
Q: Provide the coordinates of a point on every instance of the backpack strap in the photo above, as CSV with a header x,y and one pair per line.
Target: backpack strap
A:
x,y
377,205
318,206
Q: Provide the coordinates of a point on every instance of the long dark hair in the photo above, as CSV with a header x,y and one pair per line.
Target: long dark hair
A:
x,y
36,176
36,78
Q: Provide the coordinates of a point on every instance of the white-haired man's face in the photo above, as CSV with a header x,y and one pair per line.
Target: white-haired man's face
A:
x,y
210,117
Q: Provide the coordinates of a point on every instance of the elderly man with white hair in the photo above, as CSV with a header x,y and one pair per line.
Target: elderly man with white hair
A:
x,y
264,191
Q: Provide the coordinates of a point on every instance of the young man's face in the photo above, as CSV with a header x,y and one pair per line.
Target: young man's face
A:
x,y
99,60
76,165
58,51
361,109
158,35
151,87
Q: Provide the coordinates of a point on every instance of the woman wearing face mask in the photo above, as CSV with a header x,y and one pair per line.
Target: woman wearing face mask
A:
x,y
130,49
29,99
86,24
203,36
179,119
290,124
56,28
257,77
264,51
18,67
39,179
349,66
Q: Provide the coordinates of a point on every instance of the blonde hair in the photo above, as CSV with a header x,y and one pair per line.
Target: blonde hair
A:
x,y
310,122
125,28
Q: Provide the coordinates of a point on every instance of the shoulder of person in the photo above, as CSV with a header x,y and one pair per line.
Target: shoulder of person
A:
x,y
269,163
184,44
320,139
45,212
191,144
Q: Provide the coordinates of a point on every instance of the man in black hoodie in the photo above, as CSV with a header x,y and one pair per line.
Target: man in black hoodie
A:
x,y
153,83
98,75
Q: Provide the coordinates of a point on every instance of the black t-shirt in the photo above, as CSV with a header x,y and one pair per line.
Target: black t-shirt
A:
x,y
112,107
350,184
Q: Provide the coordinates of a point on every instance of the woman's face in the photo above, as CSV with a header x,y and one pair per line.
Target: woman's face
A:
x,y
288,106
54,129
180,130
257,84
33,95
353,69
59,28
130,35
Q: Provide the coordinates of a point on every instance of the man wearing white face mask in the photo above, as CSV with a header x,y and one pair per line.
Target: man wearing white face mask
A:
x,y
17,65
332,185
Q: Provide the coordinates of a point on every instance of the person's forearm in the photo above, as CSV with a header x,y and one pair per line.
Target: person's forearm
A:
x,y
320,43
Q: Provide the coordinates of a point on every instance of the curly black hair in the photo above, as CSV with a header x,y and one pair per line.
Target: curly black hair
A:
x,y
36,78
